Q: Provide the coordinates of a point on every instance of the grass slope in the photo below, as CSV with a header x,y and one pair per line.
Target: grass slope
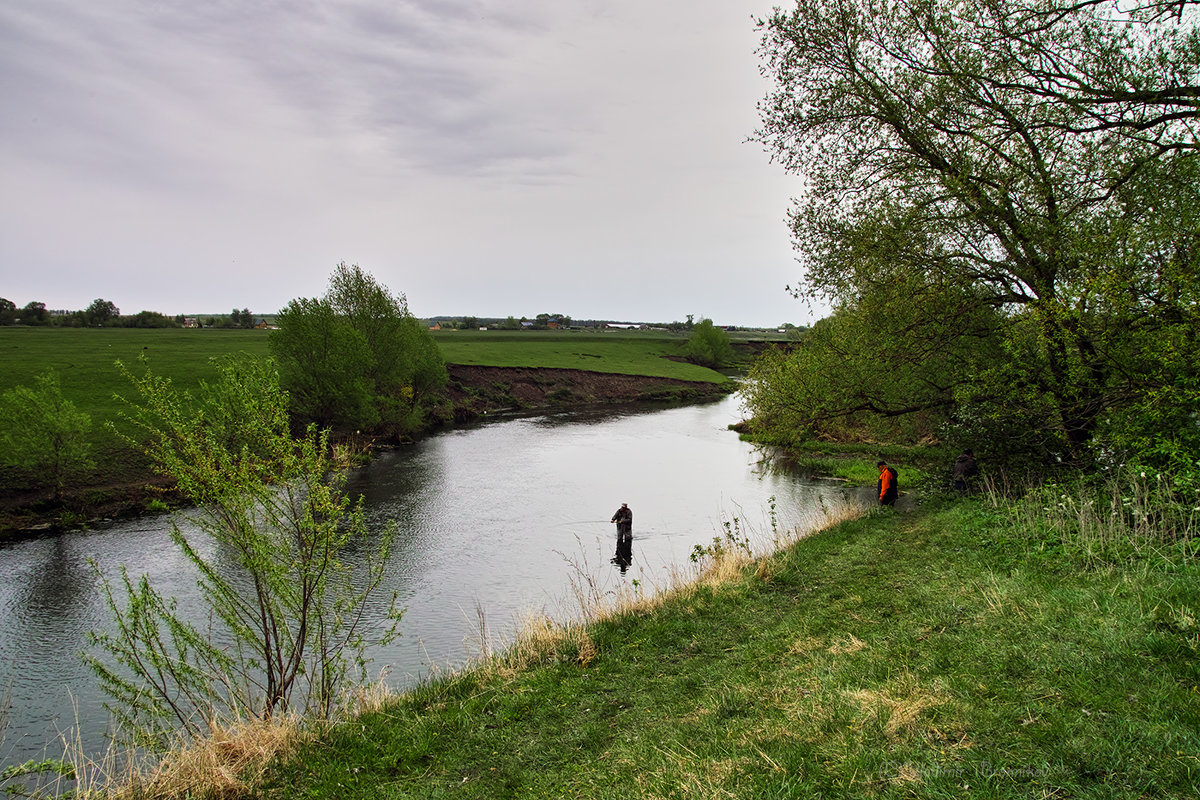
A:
x,y
623,353
904,655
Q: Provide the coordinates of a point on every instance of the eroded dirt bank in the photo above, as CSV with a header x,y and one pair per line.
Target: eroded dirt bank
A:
x,y
475,390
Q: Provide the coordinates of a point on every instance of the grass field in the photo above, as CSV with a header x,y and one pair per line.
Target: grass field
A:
x,y
622,352
85,358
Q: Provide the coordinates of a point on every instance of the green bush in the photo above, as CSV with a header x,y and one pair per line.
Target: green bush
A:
x,y
709,345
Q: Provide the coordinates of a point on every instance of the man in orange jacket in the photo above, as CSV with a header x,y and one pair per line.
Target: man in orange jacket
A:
x,y
888,487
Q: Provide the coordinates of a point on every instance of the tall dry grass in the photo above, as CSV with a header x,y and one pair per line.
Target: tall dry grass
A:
x,y
226,764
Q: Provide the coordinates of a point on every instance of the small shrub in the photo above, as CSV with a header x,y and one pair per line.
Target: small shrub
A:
x,y
709,345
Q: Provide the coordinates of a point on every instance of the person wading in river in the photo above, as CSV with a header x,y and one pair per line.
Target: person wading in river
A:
x,y
624,520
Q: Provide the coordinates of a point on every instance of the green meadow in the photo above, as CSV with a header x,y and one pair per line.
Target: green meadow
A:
x,y
85,358
622,352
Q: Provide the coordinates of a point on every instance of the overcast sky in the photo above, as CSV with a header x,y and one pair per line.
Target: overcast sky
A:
x,y
483,157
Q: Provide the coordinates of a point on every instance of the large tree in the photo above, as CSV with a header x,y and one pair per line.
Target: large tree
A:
x,y
356,357
1039,158
34,313
101,311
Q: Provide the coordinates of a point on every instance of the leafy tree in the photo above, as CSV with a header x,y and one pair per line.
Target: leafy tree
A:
x,y
357,358
100,312
888,367
289,604
709,345
43,432
148,319
322,361
8,311
1039,157
34,313
241,319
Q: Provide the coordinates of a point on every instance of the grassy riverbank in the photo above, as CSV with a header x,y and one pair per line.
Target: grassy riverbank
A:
x,y
84,358
940,653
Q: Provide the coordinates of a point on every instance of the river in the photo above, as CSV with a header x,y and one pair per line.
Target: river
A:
x,y
505,516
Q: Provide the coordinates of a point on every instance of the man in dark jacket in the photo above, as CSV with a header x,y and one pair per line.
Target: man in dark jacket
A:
x,y
624,520
964,468
888,485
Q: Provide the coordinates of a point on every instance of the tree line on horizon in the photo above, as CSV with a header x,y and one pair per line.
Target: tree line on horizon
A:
x,y
103,313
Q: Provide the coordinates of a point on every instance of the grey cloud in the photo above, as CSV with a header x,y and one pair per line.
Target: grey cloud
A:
x,y
426,79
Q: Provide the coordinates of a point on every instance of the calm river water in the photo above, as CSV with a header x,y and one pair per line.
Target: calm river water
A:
x,y
501,516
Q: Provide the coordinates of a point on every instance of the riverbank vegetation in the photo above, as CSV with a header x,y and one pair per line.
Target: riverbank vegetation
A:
x,y
622,352
357,359
284,629
120,479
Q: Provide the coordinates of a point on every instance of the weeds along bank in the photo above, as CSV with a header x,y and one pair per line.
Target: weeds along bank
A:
x,y
979,647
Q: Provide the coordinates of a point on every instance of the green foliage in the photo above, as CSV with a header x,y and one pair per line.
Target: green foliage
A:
x,y
149,319
936,153
732,540
34,313
269,542
100,312
883,368
356,358
241,319
323,365
43,432
709,345
1128,516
